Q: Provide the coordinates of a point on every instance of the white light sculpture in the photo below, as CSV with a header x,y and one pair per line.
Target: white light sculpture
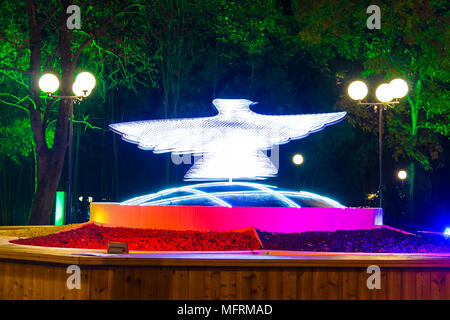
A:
x,y
173,196
232,143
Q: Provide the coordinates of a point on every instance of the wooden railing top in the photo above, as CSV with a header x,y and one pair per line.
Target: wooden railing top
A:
x,y
261,258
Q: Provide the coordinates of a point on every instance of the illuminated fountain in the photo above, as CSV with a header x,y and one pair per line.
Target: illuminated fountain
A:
x,y
230,146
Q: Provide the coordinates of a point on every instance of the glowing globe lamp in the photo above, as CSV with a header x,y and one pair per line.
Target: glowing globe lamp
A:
x,y
86,80
357,90
297,159
384,93
402,175
84,83
80,90
49,83
399,88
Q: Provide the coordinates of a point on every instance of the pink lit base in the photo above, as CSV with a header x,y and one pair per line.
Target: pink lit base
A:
x,y
272,219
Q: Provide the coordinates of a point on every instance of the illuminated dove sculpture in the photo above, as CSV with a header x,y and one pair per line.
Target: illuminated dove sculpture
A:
x,y
230,145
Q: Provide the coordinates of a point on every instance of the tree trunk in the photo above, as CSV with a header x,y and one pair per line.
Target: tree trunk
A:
x,y
414,105
50,161
47,182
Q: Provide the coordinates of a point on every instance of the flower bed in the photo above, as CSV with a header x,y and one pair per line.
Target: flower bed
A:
x,y
93,236
381,240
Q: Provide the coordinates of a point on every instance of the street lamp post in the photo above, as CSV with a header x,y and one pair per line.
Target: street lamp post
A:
x,y
385,93
82,87
402,175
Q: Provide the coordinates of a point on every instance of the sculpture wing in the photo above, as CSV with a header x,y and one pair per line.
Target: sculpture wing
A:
x,y
291,127
174,135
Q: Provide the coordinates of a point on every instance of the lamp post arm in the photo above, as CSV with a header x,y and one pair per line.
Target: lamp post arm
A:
x,y
378,103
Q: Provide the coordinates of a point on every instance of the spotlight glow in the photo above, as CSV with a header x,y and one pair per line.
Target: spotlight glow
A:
x,y
357,90
447,231
297,159
402,174
232,142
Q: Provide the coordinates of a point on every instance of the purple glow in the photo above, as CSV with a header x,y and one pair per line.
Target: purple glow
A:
x,y
273,219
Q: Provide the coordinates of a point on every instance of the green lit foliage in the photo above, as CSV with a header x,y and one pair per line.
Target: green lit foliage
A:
x,y
411,44
179,36
249,23
104,45
16,140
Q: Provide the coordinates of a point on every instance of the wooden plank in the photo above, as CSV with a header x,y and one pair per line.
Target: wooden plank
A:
x,y
46,282
437,285
319,287
149,283
394,283
258,284
274,285
98,283
364,292
243,284
197,284
215,283
289,284
304,283
408,284
132,281
333,282
7,281
3,280
447,284
423,284
16,272
59,283
350,283
228,284
38,283
164,283
180,284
